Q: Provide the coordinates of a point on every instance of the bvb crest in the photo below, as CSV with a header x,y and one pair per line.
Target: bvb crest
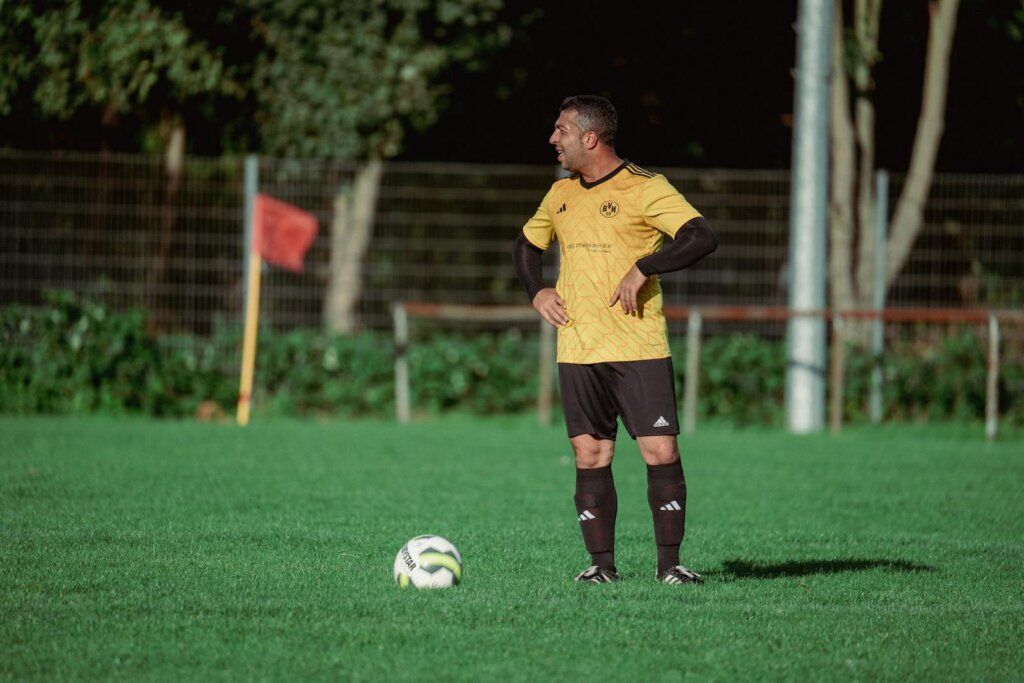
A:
x,y
609,209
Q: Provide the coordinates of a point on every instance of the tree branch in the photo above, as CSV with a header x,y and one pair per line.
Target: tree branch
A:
x,y
909,214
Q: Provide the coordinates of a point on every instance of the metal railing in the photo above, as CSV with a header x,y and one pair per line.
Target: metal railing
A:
x,y
108,226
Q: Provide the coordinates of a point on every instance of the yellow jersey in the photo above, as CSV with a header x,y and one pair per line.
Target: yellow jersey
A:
x,y
603,228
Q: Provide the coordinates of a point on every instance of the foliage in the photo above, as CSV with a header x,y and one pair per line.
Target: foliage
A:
x,y
115,58
489,373
937,378
742,379
343,80
290,77
77,357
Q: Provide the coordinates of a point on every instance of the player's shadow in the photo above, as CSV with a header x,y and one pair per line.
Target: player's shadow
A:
x,y
734,570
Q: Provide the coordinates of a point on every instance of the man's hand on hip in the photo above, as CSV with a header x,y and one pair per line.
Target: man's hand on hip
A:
x,y
551,307
627,290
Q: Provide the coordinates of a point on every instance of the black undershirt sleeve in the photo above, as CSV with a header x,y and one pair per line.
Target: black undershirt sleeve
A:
x,y
693,241
527,259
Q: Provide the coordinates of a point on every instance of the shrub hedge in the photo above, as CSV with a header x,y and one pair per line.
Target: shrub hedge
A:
x,y
76,356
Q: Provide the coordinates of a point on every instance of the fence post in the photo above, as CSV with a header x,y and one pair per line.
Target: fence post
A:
x,y
693,339
875,406
544,381
838,374
992,383
403,411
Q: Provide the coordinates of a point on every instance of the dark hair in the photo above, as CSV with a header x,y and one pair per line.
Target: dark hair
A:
x,y
594,113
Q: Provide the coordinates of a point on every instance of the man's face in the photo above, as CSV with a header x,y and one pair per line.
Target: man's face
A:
x,y
567,139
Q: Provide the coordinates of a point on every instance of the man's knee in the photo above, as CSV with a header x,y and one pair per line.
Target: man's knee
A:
x,y
658,450
591,452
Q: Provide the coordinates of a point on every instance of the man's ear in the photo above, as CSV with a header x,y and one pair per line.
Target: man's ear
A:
x,y
590,139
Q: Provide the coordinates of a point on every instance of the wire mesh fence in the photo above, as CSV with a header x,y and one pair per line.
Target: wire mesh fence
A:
x,y
124,230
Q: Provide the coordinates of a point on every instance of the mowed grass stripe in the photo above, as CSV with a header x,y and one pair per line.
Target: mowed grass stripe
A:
x,y
170,550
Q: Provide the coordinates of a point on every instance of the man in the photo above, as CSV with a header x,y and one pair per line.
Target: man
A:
x,y
610,219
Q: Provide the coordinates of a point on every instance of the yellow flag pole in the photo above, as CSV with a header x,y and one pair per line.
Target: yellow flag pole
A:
x,y
252,315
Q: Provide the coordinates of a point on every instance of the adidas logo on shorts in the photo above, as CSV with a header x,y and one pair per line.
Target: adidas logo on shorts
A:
x,y
661,422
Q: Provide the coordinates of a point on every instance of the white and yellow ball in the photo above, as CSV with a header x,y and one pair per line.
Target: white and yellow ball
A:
x,y
428,562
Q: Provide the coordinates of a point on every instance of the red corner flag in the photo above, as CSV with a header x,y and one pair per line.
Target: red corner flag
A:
x,y
282,233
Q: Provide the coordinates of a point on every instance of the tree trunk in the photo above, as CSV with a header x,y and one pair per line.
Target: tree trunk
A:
x,y
867,18
351,228
174,164
843,155
909,215
853,147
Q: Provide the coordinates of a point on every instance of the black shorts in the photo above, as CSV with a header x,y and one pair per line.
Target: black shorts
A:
x,y
641,392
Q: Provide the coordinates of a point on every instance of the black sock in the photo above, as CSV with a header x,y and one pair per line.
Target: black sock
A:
x,y
666,494
596,505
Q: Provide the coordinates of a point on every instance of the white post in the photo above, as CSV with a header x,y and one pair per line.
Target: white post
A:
x,y
805,374
693,338
992,383
403,408
545,381
878,330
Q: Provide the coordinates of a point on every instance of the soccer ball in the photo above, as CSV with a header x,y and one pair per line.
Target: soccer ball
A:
x,y
428,562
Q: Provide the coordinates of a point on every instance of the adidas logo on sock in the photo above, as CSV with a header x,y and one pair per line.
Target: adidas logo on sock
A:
x,y
661,422
670,506
587,515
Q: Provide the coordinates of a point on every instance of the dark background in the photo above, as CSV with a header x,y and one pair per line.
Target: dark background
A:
x,y
709,84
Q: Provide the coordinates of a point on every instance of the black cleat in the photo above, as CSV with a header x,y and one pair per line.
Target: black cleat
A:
x,y
679,574
595,574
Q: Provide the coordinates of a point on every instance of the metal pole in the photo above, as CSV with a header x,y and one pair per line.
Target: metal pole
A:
x,y
693,339
992,383
403,408
878,330
805,374
250,187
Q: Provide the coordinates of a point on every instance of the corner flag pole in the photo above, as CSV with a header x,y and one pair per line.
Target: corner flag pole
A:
x,y
252,316
253,265
280,234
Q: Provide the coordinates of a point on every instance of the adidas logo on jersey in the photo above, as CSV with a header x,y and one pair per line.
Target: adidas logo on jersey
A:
x,y
660,422
587,515
561,209
670,506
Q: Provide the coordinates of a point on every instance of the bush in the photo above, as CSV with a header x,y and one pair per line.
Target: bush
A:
x,y
76,356
742,379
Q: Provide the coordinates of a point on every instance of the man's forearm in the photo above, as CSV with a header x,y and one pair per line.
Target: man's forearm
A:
x,y
527,259
694,241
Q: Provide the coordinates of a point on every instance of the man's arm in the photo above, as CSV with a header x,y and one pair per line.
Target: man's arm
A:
x,y
545,300
527,259
693,241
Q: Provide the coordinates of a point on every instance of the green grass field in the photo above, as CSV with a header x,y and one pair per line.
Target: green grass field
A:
x,y
143,550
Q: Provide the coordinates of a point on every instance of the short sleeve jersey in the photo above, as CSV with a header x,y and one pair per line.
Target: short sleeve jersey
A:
x,y
603,229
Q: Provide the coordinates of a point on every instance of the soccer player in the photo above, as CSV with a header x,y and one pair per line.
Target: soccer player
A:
x,y
610,218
